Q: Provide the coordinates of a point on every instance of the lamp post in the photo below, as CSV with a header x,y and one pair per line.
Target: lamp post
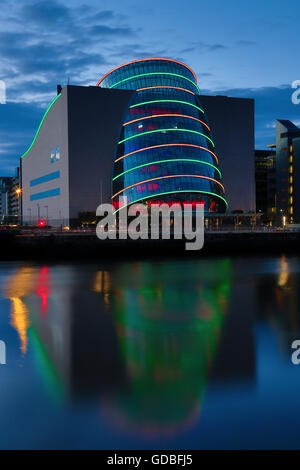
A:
x,y
46,207
284,221
18,193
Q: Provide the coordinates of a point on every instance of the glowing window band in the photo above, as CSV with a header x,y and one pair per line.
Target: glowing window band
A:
x,y
173,192
169,160
41,123
169,176
167,101
145,60
166,86
155,73
166,115
166,130
168,145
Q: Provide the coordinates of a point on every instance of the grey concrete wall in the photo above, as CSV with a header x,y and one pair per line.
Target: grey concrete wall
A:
x,y
85,123
95,117
37,163
232,125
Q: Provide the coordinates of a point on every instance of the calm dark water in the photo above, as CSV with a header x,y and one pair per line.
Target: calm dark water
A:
x,y
178,354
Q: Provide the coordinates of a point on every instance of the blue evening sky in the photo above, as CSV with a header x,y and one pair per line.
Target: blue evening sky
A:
x,y
236,48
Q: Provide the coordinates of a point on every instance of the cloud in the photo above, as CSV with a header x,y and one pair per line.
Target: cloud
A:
x,y
271,103
103,30
271,125
102,16
18,124
42,43
46,13
137,51
187,50
196,46
246,43
54,42
216,47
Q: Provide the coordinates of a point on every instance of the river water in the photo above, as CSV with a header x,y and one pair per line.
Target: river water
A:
x,y
176,354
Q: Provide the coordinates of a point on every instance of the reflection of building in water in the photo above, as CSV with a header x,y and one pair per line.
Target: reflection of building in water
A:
x,y
43,289
278,298
18,286
141,338
102,284
73,334
169,319
235,361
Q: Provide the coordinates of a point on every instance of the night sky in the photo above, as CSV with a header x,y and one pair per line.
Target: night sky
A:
x,y
236,48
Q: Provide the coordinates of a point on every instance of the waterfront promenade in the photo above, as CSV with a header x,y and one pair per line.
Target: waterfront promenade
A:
x,y
81,244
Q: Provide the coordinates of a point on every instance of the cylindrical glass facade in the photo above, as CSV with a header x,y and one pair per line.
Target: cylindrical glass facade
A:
x,y
165,150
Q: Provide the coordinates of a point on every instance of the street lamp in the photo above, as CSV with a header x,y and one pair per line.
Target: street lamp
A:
x,y
284,220
18,193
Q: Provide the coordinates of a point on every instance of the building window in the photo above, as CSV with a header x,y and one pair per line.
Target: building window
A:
x,y
52,156
57,156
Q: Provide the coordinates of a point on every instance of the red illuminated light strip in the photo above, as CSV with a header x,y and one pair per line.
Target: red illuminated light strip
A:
x,y
169,176
166,86
168,145
143,60
163,115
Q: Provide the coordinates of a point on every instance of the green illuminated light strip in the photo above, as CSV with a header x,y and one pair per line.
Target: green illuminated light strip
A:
x,y
156,73
165,130
166,101
41,123
169,160
173,192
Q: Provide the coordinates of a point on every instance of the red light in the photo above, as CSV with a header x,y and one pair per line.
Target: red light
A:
x,y
154,111
153,186
137,111
41,223
43,289
213,206
152,168
152,126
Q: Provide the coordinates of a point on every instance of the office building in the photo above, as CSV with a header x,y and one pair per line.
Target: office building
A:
x,y
5,187
265,177
142,134
232,122
288,171
165,150
10,198
277,175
